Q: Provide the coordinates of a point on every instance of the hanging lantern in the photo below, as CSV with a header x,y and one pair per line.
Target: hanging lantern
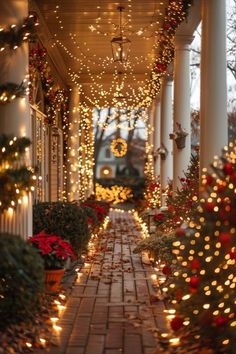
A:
x,y
120,49
121,44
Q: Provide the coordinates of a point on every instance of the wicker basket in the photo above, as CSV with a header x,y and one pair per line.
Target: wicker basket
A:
x,y
180,142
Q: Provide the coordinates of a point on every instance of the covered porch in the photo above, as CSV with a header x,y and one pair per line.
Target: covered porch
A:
x,y
61,64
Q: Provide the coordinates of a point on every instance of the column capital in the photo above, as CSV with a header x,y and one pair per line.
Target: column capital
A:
x,y
167,79
183,41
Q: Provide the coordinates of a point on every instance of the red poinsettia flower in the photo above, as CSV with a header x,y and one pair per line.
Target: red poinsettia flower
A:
x,y
53,250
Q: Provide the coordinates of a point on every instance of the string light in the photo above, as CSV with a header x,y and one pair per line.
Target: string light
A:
x,y
56,100
13,36
208,307
81,158
16,182
146,90
115,194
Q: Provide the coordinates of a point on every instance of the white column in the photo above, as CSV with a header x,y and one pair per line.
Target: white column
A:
x,y
15,116
90,161
157,135
74,160
213,112
182,113
151,123
166,127
150,141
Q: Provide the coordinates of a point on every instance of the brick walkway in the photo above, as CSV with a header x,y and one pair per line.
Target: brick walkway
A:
x,y
109,310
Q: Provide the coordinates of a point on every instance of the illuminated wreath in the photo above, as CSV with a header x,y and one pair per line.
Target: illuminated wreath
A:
x,y
118,147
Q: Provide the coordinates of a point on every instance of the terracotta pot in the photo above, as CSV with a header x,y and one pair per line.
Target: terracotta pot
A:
x,y
53,278
180,142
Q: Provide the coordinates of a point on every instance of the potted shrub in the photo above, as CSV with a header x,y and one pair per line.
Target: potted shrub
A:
x,y
179,135
55,253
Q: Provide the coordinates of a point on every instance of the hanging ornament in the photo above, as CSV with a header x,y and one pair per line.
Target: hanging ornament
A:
x,y
176,323
119,147
166,270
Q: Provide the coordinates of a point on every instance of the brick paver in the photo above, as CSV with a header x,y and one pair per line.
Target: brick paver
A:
x,y
109,310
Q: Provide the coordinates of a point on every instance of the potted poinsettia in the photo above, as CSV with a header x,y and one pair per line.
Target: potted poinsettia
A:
x,y
55,253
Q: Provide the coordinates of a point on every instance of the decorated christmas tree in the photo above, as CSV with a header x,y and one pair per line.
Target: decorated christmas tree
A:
x,y
16,179
152,193
203,290
180,206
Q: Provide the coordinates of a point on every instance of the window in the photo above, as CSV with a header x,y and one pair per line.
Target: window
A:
x,y
107,153
106,172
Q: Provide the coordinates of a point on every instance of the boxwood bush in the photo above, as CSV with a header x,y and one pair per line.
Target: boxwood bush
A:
x,y
92,218
21,279
64,219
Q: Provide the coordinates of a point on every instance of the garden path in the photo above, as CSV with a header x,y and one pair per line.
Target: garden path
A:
x,y
110,309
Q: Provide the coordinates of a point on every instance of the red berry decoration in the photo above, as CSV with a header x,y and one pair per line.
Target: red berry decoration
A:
x,y
166,25
233,254
220,187
209,207
176,323
180,232
171,208
225,239
194,281
160,67
159,217
176,220
193,290
178,294
228,168
220,321
233,177
166,270
195,264
209,180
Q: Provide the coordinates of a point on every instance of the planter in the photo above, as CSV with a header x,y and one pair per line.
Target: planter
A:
x,y
163,152
180,142
163,156
53,278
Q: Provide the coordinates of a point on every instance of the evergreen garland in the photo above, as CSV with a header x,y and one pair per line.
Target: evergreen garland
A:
x,y
15,181
11,91
15,35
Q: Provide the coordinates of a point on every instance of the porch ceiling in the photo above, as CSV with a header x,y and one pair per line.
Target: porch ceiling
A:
x,y
74,26
79,34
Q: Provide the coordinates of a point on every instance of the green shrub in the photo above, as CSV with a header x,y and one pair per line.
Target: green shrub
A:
x,y
100,207
92,218
67,220
160,246
21,279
